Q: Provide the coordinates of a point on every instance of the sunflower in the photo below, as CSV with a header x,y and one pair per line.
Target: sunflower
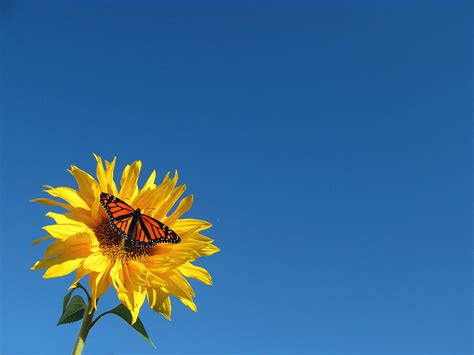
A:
x,y
84,241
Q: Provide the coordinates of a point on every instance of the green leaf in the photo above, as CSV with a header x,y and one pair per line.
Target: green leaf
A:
x,y
125,314
74,310
69,294
67,298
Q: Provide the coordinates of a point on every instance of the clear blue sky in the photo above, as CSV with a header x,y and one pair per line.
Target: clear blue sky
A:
x,y
328,141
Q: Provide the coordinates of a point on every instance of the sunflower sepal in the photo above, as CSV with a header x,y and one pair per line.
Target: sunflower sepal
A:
x,y
68,297
73,311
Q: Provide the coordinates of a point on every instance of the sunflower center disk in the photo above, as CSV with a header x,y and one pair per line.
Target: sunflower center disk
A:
x,y
115,247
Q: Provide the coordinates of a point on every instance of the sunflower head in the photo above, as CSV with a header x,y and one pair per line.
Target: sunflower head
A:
x,y
88,241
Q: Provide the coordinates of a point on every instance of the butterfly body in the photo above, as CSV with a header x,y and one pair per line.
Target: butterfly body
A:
x,y
133,226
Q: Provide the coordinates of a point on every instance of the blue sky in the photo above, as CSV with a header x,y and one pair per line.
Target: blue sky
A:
x,y
329,142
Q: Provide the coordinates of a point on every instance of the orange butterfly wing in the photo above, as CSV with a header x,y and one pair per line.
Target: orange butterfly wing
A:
x,y
146,231
156,232
120,213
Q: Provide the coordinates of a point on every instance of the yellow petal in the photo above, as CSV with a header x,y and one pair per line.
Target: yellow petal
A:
x,y
100,173
209,250
75,219
189,303
97,212
194,247
116,276
153,198
74,243
129,181
187,224
196,272
61,218
109,176
69,195
137,273
117,279
178,286
133,277
86,184
164,208
159,301
80,273
150,183
62,254
161,201
166,179
64,231
96,262
197,237
78,216
49,202
125,173
139,300
184,251
183,207
99,284
159,264
193,236
63,268
129,292
39,240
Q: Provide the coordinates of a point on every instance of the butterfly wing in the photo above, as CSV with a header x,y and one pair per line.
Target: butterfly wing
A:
x,y
139,235
149,232
141,229
120,213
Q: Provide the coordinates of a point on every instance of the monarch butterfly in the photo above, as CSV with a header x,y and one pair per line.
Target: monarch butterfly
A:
x,y
132,225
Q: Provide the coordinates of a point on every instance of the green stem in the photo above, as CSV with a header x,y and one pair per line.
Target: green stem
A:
x,y
85,290
85,327
95,320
